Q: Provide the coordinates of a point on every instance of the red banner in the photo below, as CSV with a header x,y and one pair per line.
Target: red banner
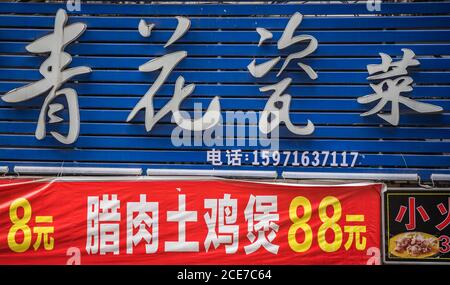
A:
x,y
187,222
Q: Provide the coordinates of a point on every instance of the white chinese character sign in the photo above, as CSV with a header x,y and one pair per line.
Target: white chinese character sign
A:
x,y
388,91
266,124
55,75
167,63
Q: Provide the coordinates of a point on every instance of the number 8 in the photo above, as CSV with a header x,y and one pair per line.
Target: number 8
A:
x,y
300,223
330,223
19,224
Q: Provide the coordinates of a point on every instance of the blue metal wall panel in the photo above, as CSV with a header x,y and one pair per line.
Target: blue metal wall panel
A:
x,y
221,43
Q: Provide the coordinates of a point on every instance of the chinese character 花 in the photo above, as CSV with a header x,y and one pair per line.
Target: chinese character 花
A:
x,y
166,64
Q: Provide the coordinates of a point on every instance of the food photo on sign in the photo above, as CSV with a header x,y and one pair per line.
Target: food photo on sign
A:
x,y
416,226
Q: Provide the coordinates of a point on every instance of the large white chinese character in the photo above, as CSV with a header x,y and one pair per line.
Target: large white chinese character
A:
x,y
388,91
272,115
146,225
167,63
181,217
54,77
103,221
222,217
277,107
261,215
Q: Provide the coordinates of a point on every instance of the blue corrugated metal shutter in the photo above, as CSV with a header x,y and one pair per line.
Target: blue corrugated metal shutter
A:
x,y
220,43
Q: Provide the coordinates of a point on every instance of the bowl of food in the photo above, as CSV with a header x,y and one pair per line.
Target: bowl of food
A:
x,y
414,245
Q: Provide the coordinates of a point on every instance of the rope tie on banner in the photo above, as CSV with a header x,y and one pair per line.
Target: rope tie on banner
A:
x,y
432,182
425,186
61,173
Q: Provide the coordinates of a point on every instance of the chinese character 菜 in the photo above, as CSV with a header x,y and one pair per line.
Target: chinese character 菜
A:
x,y
394,82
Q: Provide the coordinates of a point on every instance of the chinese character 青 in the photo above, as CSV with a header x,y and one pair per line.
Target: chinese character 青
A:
x,y
55,75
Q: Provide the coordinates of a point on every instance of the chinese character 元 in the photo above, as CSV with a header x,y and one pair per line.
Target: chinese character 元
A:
x,y
354,232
